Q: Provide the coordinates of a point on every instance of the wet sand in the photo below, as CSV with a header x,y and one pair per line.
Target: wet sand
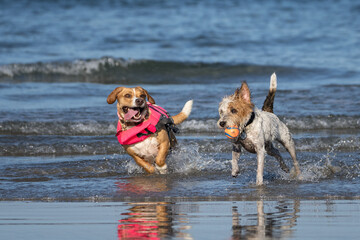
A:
x,y
284,219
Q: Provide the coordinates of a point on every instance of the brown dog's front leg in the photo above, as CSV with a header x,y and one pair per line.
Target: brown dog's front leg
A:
x,y
164,145
141,162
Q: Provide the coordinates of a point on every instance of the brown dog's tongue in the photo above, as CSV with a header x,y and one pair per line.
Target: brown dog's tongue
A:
x,y
130,114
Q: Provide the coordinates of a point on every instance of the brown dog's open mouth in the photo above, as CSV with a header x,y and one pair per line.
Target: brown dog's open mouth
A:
x,y
135,114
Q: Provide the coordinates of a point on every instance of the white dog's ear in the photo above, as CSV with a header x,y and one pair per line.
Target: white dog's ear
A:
x,y
243,93
112,96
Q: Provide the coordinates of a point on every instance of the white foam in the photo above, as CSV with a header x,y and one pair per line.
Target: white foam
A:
x,y
315,171
76,67
132,167
322,122
187,159
208,125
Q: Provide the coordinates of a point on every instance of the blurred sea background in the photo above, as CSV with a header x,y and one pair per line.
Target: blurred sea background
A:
x,y
59,60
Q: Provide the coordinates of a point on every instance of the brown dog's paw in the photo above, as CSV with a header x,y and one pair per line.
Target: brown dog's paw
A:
x,y
161,170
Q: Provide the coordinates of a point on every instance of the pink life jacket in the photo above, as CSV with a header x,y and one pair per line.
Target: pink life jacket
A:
x,y
144,129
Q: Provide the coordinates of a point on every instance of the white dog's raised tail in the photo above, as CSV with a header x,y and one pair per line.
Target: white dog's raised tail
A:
x,y
273,82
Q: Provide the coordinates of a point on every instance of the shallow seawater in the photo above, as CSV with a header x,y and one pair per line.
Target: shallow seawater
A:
x,y
192,175
57,142
282,219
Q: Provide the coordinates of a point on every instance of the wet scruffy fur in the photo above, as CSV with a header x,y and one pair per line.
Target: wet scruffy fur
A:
x,y
261,128
132,109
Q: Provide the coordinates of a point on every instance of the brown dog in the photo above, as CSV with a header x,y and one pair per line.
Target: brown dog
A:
x,y
145,130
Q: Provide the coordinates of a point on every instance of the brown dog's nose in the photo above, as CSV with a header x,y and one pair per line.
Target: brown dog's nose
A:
x,y
139,101
222,124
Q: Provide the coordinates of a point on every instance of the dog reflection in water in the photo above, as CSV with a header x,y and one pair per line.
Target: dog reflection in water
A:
x,y
150,220
277,224
141,186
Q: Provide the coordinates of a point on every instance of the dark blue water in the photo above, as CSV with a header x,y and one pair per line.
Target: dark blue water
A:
x,y
59,60
313,34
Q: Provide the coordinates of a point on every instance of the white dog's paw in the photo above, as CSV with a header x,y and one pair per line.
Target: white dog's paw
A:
x,y
296,174
235,172
161,170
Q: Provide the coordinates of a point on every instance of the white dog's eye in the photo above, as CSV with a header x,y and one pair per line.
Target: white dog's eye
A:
x,y
233,110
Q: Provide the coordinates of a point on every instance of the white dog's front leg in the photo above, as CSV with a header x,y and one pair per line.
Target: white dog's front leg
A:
x,y
260,166
235,158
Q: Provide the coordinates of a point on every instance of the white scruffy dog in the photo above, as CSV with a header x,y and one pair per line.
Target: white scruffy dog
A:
x,y
258,129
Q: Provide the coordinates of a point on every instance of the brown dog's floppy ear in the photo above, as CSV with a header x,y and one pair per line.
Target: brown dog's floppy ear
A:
x,y
243,92
151,100
112,96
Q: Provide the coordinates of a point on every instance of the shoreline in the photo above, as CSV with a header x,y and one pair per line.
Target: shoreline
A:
x,y
290,219
176,199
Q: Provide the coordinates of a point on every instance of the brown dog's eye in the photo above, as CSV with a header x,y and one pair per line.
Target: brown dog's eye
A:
x,y
233,110
143,96
127,95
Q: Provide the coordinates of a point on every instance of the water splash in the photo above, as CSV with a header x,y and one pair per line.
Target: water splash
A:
x,y
189,159
315,171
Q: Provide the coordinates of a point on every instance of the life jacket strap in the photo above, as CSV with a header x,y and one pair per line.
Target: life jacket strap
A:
x,y
144,134
167,122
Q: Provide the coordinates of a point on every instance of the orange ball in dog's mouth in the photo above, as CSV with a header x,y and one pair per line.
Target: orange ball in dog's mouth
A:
x,y
232,132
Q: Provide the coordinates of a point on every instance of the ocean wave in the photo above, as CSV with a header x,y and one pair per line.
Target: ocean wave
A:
x,y
113,70
91,145
105,167
192,126
303,123
351,143
90,128
59,146
322,122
